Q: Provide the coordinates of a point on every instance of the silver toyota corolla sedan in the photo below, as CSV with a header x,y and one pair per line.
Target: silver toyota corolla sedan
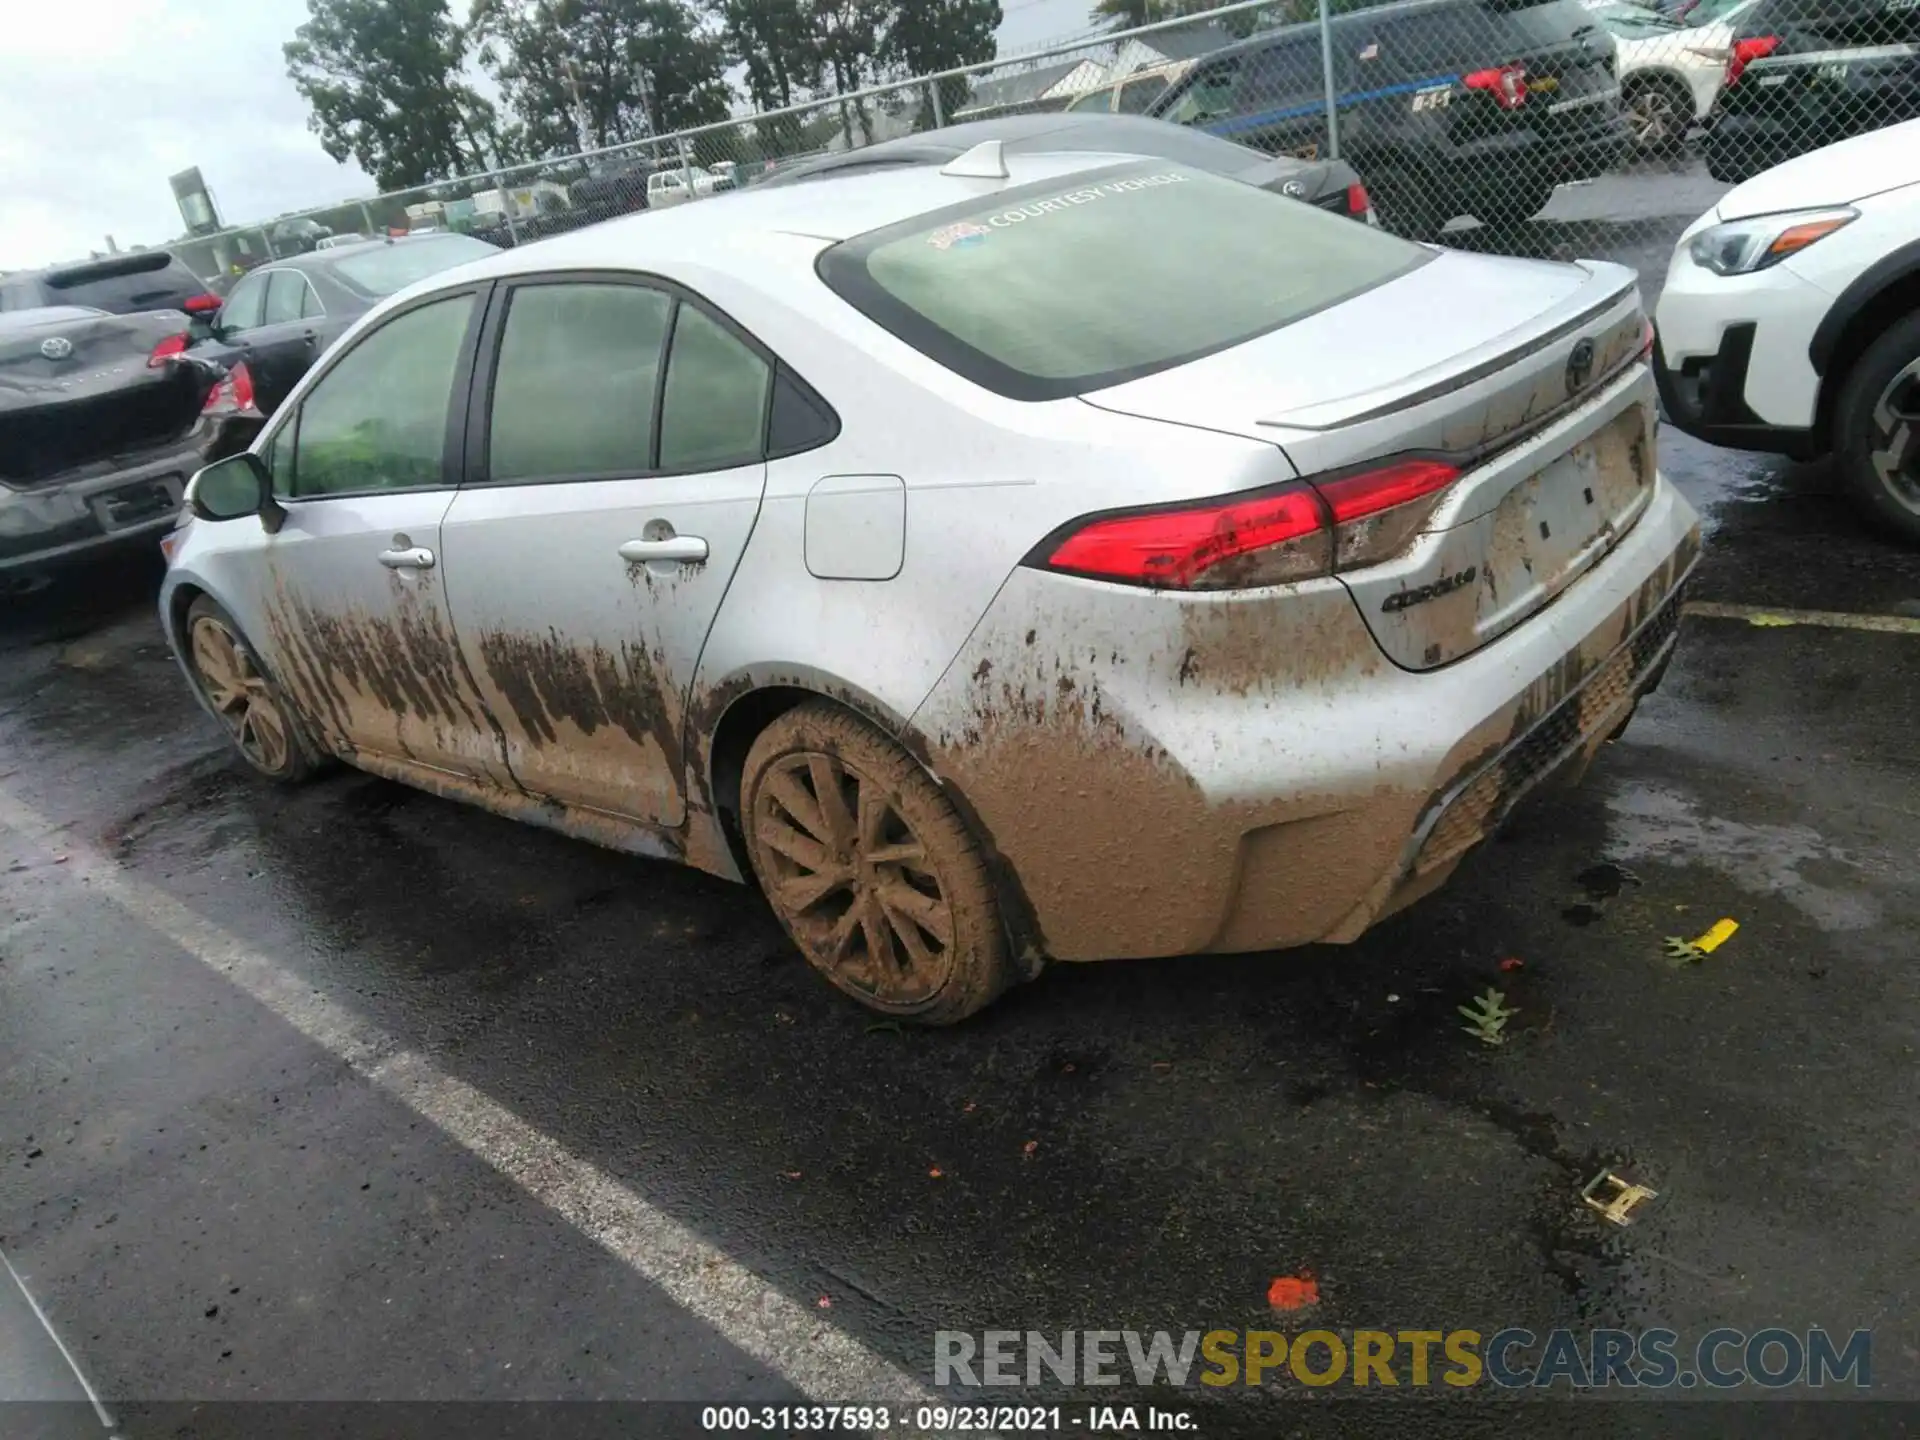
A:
x,y
1053,557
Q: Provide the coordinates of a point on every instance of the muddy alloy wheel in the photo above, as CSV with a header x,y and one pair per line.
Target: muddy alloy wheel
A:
x,y
870,869
258,719
1876,429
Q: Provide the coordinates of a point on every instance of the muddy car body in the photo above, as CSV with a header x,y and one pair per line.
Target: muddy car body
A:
x,y
989,634
101,426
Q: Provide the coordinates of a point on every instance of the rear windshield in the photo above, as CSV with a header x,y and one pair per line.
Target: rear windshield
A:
x,y
1059,289
391,268
125,285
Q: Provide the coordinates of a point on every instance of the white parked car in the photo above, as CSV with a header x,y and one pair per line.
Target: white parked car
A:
x,y
669,187
1057,556
1671,70
1790,320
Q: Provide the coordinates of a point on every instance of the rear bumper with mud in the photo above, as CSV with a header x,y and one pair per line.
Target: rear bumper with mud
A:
x,y
1158,774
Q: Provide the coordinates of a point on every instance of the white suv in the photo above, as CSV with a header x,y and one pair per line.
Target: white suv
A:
x,y
1790,320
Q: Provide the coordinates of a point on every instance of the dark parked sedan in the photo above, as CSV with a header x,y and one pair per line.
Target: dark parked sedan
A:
x,y
1330,184
282,316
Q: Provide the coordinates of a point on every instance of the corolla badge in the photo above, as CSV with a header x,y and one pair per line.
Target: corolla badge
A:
x,y
56,348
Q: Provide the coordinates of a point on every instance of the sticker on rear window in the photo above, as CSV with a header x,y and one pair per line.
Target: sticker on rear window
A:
x,y
963,234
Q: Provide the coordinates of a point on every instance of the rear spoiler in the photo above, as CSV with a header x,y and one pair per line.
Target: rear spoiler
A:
x,y
140,262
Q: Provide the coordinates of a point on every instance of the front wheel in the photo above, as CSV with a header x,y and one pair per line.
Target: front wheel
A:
x,y
1876,439
871,869
260,722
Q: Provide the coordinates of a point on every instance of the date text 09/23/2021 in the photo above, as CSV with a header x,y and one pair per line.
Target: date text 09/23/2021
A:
x,y
944,1419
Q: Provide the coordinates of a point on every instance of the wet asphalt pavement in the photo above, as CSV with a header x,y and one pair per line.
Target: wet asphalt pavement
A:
x,y
210,1206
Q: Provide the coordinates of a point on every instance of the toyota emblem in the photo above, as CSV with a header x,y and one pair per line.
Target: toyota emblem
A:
x,y
1293,188
1579,367
57,348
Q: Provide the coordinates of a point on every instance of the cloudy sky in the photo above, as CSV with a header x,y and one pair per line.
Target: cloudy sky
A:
x,y
102,100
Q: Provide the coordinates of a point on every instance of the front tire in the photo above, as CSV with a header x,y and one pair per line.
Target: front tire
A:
x,y
870,868
1876,430
260,722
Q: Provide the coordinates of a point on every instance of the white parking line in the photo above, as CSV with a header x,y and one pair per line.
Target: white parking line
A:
x,y
823,1362
79,1375
1765,615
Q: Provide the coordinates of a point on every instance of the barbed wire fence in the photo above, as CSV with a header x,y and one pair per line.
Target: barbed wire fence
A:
x,y
1597,128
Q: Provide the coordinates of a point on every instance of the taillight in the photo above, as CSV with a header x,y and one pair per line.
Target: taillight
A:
x,y
1506,83
1299,531
1376,513
232,394
1358,201
201,304
1745,52
171,348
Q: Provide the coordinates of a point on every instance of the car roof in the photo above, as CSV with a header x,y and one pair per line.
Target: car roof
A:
x,y
312,260
743,220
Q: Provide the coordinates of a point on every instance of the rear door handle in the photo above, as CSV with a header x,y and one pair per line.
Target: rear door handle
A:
x,y
417,558
684,548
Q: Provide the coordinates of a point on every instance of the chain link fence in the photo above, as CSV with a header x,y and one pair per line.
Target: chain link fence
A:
x,y
1546,127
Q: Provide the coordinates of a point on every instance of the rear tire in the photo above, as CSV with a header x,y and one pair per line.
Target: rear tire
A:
x,y
261,724
1876,430
1660,109
870,868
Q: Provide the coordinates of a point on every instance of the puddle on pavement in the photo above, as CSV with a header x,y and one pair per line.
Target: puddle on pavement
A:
x,y
1647,822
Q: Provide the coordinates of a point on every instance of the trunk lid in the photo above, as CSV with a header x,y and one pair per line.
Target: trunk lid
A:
x,y
1523,374
76,391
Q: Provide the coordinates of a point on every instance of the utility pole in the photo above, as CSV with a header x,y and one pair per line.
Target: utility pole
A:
x,y
581,129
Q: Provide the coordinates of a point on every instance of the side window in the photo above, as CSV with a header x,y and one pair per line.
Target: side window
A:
x,y
1092,100
714,412
285,291
573,390
800,420
279,457
310,306
1137,95
245,305
1277,77
378,419
1209,95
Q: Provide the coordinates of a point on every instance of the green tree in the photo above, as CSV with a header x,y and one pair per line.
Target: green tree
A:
x,y
382,83
774,40
600,71
1128,14
924,37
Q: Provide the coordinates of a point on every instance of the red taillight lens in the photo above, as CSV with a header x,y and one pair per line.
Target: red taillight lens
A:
x,y
1265,540
201,304
170,348
1301,531
232,395
1375,514
1646,339
1358,201
1506,83
1745,52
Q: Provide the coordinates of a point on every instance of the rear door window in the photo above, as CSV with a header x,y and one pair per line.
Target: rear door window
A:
x,y
1279,78
714,413
1054,290
246,304
573,392
285,292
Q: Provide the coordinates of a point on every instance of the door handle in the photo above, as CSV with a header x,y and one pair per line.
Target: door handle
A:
x,y
311,338
417,558
684,548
